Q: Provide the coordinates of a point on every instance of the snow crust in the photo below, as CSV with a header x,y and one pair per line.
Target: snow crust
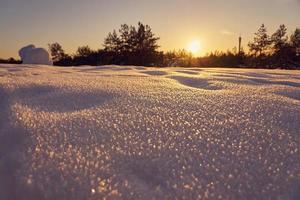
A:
x,y
32,55
112,132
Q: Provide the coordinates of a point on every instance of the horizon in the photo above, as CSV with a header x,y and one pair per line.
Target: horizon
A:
x,y
79,23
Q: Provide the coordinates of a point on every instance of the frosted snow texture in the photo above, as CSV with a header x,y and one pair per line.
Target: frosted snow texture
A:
x,y
32,55
113,132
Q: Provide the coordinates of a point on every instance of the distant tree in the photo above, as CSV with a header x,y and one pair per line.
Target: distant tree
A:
x,y
179,58
281,48
133,45
112,42
260,45
223,59
127,37
86,56
295,48
144,45
57,52
295,41
279,38
10,61
84,51
144,39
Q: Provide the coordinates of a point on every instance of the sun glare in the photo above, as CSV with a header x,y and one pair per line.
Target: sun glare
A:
x,y
194,47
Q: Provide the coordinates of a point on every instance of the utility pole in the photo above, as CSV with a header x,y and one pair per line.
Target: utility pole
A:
x,y
240,45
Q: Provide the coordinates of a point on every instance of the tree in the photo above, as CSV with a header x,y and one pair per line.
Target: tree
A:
x,y
10,61
127,34
281,48
145,39
261,43
144,45
133,45
57,52
295,41
84,51
279,39
112,42
181,58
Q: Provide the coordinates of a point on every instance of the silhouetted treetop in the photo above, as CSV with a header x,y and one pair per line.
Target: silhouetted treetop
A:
x,y
57,52
279,38
295,40
132,45
261,43
84,51
112,42
131,39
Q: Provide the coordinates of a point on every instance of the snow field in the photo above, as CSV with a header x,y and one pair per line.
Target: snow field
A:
x,y
148,133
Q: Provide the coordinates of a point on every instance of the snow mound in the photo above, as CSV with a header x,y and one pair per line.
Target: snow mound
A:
x,y
32,55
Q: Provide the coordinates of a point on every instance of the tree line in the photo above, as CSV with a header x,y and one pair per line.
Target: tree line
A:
x,y
10,61
130,45
277,50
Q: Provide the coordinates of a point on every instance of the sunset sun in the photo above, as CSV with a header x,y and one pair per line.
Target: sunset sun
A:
x,y
194,47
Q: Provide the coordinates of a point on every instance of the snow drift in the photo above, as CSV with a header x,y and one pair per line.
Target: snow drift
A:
x,y
113,132
32,55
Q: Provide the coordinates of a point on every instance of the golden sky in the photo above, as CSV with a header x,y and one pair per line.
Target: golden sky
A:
x,y
214,24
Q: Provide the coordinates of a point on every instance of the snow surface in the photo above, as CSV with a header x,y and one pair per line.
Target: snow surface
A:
x,y
112,132
32,55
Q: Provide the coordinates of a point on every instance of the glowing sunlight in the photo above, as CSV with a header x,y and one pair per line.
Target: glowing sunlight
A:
x,y
194,47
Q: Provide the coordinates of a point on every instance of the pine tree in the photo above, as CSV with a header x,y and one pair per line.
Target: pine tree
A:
x,y
295,41
133,45
145,45
260,45
112,42
279,39
84,51
127,34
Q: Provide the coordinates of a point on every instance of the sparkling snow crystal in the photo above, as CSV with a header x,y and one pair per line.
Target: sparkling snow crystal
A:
x,y
112,132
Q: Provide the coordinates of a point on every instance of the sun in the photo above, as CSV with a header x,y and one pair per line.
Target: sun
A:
x,y
194,47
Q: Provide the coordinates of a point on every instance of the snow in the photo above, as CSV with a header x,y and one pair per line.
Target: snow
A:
x,y
148,133
32,55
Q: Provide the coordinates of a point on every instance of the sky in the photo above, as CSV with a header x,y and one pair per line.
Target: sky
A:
x,y
215,24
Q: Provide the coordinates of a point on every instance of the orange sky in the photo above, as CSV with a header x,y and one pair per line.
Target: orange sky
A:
x,y
216,24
